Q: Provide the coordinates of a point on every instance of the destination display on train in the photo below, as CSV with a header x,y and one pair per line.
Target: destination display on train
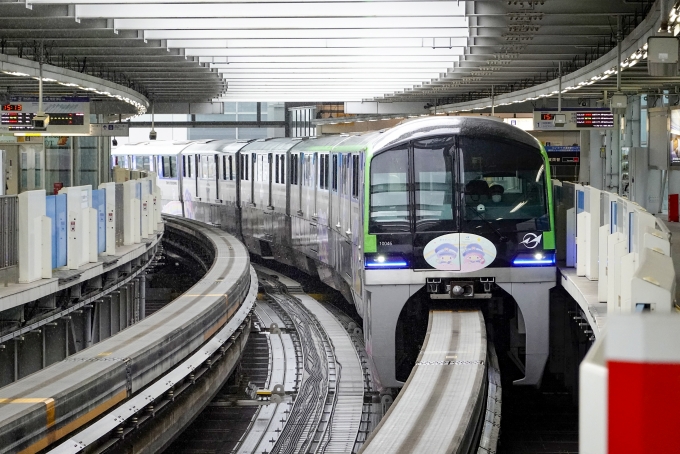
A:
x,y
597,119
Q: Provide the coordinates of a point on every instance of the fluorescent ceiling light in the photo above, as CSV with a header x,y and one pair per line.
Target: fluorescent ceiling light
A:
x,y
444,59
289,32
326,24
327,51
417,43
293,10
331,66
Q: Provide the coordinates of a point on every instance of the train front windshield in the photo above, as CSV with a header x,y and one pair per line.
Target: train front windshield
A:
x,y
503,183
499,183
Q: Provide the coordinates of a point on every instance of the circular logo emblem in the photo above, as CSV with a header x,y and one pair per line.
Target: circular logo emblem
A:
x,y
531,240
459,252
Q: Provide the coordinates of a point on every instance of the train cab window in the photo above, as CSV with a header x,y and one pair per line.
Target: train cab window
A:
x,y
389,210
504,182
433,172
334,179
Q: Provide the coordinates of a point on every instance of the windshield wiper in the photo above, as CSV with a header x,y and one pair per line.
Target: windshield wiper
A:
x,y
502,238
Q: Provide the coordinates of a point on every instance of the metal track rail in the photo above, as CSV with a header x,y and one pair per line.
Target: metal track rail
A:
x,y
329,410
443,404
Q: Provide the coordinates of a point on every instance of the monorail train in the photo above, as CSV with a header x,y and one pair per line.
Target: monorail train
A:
x,y
433,211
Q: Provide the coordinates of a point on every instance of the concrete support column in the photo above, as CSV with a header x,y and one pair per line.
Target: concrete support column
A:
x,y
114,310
596,162
55,349
29,354
614,168
105,317
6,363
87,326
142,296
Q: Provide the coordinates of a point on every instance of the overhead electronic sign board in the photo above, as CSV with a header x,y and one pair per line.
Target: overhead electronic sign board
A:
x,y
573,119
67,115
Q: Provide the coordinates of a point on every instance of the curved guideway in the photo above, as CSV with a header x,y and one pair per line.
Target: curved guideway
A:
x,y
325,412
49,404
441,407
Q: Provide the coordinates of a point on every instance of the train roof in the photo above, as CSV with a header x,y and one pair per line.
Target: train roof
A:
x,y
151,147
280,145
217,146
464,126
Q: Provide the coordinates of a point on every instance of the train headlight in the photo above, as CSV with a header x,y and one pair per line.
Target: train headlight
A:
x,y
535,259
384,261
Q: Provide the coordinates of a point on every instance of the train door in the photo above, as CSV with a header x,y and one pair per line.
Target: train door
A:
x,y
433,205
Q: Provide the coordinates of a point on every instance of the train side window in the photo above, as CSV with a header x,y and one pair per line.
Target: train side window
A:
x,y
283,168
276,168
335,173
345,173
389,211
189,166
173,166
211,166
231,168
254,166
224,167
294,169
355,176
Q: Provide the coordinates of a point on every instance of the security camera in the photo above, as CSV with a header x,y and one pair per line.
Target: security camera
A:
x,y
114,142
152,135
40,121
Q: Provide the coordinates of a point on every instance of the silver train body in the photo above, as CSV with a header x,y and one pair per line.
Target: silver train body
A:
x,y
305,203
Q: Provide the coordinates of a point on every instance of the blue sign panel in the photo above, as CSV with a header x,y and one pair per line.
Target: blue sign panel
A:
x,y
99,204
56,210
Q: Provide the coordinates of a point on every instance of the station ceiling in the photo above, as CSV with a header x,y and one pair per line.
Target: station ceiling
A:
x,y
309,50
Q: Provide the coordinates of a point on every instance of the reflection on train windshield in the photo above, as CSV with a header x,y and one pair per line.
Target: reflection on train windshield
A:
x,y
433,166
389,192
503,182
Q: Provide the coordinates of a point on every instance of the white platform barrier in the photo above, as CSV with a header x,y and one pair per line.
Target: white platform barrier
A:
x,y
35,237
131,212
141,214
110,189
79,203
612,240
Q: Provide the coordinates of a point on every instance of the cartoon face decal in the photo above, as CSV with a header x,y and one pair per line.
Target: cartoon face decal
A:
x,y
446,253
459,252
474,254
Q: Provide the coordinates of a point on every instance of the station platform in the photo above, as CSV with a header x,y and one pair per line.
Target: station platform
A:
x,y
585,291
